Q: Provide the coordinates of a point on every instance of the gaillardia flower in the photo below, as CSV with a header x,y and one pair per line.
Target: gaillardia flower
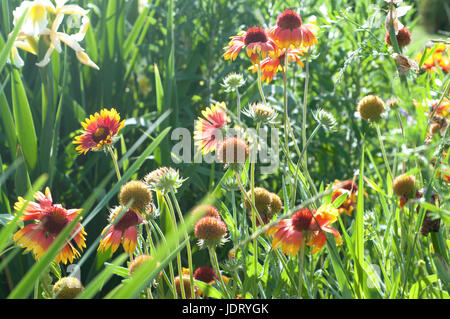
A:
x,y
210,231
305,226
258,45
371,107
50,219
123,231
291,32
99,131
349,187
206,210
139,193
233,150
272,65
209,131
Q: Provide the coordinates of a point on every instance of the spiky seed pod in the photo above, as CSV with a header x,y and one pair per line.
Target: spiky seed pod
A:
x,y
403,38
371,107
233,150
206,210
262,200
210,231
67,288
276,204
164,179
404,186
261,113
393,103
326,119
233,81
137,192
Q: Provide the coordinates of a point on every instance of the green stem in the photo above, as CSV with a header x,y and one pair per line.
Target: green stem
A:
x,y
383,151
305,101
316,130
175,230
285,104
116,166
238,108
300,271
215,264
260,84
252,185
188,244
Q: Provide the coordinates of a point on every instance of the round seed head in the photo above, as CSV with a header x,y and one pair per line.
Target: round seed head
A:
x,y
67,288
404,186
233,150
263,199
210,230
138,193
371,107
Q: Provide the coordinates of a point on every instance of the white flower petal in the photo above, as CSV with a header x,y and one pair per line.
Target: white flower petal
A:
x,y
84,58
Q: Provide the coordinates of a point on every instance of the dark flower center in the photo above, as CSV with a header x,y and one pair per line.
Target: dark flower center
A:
x,y
302,220
130,218
289,20
54,220
100,134
254,35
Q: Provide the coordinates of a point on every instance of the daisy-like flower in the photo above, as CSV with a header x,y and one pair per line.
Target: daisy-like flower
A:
x,y
349,187
209,131
121,232
257,43
50,219
305,226
272,65
99,131
291,32
438,60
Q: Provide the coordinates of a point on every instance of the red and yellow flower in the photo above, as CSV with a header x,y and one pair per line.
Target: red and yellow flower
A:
x,y
121,232
50,219
439,59
209,130
257,42
99,131
347,186
291,32
306,226
272,65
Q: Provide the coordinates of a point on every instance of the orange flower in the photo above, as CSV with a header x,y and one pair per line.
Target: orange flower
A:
x,y
208,130
439,59
100,129
124,231
272,65
50,219
291,32
305,226
257,43
347,186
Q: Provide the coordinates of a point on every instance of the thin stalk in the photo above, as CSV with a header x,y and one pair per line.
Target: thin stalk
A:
x,y
260,84
285,104
300,270
305,101
175,230
238,107
238,178
399,118
215,264
116,165
252,185
316,130
188,244
383,151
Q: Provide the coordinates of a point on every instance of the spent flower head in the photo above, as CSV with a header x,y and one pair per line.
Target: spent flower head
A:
x,y
261,113
67,288
233,81
164,179
325,119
